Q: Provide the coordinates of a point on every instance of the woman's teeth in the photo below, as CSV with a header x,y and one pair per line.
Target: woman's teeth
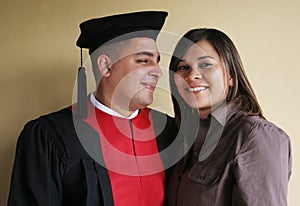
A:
x,y
196,89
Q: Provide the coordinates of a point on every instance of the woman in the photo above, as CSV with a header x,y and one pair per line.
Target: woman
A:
x,y
238,157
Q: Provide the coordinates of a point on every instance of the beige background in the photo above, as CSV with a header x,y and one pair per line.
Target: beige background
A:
x,y
39,58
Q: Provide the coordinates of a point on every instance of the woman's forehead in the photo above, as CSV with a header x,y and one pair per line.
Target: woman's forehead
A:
x,y
201,48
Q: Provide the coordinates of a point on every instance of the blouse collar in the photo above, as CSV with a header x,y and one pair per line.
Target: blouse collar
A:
x,y
223,113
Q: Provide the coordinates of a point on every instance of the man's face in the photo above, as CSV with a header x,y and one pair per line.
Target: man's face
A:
x,y
134,75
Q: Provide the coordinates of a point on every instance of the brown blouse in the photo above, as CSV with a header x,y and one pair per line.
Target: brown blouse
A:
x,y
236,159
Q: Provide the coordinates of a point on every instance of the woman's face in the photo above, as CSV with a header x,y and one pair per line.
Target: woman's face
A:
x,y
201,78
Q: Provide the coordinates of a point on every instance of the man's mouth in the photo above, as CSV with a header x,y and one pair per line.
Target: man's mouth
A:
x,y
150,86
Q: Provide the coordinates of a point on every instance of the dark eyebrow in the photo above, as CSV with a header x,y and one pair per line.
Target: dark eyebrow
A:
x,y
204,57
199,58
148,54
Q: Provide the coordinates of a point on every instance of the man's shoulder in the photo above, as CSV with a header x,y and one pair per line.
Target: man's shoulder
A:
x,y
157,113
43,131
59,115
56,124
162,120
62,129
43,120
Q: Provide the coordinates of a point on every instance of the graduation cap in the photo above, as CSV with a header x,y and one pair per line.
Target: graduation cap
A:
x,y
99,31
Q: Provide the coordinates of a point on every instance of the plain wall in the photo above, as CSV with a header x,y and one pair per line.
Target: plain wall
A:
x,y
39,59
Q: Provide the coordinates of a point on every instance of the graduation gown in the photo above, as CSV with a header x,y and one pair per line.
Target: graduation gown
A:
x,y
52,166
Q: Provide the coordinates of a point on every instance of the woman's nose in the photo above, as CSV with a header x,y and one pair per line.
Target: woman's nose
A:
x,y
194,75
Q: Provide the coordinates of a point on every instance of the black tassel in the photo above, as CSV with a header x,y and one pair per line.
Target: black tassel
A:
x,y
82,108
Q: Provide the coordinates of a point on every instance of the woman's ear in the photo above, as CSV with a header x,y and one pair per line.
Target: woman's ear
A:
x,y
104,64
230,81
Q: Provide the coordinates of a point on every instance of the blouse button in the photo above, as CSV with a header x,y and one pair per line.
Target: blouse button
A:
x,y
196,154
202,176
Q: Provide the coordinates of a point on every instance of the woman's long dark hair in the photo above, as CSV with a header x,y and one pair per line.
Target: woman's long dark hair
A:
x,y
242,91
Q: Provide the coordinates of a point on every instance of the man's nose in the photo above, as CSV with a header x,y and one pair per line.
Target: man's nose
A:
x,y
155,71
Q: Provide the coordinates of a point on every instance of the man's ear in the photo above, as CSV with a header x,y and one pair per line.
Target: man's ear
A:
x,y
104,64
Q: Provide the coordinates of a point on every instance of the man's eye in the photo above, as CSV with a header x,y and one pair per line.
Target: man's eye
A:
x,y
183,67
144,61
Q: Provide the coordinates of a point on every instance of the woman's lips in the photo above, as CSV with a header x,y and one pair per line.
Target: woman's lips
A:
x,y
197,89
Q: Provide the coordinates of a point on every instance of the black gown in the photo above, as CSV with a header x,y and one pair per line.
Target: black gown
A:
x,y
52,168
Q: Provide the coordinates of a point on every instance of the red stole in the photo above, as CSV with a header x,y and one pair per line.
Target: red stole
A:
x,y
131,156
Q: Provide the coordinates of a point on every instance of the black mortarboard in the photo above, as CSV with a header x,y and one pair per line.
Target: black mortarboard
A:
x,y
96,32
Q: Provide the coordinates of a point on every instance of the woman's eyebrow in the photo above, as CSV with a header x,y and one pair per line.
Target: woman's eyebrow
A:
x,y
204,57
199,58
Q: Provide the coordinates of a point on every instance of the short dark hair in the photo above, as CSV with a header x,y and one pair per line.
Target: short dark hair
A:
x,y
112,50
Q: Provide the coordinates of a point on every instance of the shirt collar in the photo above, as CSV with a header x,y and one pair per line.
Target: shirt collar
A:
x,y
223,113
108,110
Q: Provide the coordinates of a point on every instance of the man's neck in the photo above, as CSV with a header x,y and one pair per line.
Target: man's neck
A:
x,y
115,107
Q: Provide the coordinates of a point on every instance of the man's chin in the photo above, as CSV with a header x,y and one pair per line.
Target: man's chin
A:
x,y
144,103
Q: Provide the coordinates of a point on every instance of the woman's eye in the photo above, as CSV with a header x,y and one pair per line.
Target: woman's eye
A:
x,y
183,67
204,65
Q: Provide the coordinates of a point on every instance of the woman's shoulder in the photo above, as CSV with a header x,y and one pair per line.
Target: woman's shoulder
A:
x,y
258,129
259,123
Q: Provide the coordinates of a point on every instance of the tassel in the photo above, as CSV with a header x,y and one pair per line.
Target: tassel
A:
x,y
82,109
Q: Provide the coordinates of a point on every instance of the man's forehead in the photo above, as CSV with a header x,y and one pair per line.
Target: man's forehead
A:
x,y
140,45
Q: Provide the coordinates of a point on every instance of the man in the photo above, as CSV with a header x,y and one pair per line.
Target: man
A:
x,y
105,152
